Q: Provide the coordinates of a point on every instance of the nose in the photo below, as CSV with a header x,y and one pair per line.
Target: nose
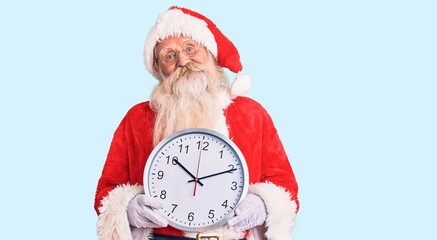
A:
x,y
182,60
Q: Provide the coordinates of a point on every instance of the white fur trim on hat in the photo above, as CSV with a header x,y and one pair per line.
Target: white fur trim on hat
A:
x,y
281,210
176,23
240,86
112,223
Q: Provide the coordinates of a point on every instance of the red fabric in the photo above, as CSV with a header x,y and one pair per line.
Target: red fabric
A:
x,y
250,128
227,53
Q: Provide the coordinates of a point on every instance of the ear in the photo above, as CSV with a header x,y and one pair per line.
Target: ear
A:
x,y
156,66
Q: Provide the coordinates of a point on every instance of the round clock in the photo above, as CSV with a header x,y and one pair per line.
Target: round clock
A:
x,y
199,175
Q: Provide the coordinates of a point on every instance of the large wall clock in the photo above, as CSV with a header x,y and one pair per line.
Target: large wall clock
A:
x,y
199,175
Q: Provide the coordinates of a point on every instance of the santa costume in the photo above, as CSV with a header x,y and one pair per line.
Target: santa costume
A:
x,y
244,121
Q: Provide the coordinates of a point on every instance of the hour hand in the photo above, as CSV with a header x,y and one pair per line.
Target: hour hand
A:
x,y
186,170
215,174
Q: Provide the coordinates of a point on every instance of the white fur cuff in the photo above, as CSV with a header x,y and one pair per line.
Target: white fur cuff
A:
x,y
281,210
112,223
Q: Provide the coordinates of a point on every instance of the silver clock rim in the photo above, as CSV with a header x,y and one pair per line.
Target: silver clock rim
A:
x,y
161,144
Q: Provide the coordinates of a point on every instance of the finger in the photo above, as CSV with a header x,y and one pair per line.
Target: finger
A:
x,y
149,224
156,204
152,225
236,220
145,219
146,224
242,227
159,220
153,217
145,200
241,223
242,209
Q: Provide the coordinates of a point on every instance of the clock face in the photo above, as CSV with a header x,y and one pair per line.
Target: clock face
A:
x,y
199,175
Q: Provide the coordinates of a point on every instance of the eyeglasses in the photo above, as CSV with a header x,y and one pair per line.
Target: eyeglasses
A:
x,y
168,55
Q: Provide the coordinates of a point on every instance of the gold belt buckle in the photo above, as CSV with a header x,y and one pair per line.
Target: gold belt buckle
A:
x,y
209,236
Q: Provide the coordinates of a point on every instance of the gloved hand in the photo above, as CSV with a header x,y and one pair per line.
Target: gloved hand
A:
x,y
141,215
251,212
138,233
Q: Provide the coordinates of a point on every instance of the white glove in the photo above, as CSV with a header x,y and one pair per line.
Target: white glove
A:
x,y
141,215
251,212
138,233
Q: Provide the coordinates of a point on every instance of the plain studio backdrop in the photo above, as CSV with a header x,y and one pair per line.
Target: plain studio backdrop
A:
x,y
350,85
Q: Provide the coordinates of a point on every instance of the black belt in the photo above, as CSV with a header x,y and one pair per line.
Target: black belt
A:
x,y
155,236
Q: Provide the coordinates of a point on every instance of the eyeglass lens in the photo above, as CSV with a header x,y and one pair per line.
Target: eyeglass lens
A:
x,y
189,48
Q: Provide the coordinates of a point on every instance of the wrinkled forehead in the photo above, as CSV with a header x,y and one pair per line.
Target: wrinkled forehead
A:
x,y
174,43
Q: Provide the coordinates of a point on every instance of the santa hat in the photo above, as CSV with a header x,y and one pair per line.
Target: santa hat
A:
x,y
184,22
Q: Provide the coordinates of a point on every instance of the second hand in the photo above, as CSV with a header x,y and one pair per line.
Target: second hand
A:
x,y
198,164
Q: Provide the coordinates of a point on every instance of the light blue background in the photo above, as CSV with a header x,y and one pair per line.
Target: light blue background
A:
x,y
350,85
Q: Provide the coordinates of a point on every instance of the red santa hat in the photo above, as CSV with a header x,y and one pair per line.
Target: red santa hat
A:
x,y
184,22
181,21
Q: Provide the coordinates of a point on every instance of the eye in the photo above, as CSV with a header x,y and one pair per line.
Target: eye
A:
x,y
169,55
190,49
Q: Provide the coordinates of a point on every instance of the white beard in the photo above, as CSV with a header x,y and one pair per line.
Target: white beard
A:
x,y
192,96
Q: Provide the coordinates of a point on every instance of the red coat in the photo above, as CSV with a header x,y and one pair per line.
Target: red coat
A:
x,y
250,128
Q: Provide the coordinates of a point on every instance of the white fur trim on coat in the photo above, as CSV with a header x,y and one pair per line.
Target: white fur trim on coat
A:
x,y
220,125
112,223
281,210
176,23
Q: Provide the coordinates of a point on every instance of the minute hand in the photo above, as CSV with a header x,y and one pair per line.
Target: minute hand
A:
x,y
215,174
186,170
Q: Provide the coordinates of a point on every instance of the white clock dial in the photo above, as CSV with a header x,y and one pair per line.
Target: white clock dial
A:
x,y
199,175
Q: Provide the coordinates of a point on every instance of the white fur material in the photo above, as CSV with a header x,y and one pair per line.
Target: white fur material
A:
x,y
176,23
241,85
281,210
112,223
256,233
220,125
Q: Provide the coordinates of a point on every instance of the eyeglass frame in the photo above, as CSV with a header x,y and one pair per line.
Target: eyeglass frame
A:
x,y
196,45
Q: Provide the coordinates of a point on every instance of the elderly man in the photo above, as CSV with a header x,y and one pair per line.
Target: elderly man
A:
x,y
186,52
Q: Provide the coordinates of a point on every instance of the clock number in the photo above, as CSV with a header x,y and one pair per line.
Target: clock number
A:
x,y
231,166
234,185
181,147
163,194
190,216
225,204
211,214
205,144
205,148
221,154
173,160
160,175
174,207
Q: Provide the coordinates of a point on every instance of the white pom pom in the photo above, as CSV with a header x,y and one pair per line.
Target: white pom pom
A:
x,y
240,86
